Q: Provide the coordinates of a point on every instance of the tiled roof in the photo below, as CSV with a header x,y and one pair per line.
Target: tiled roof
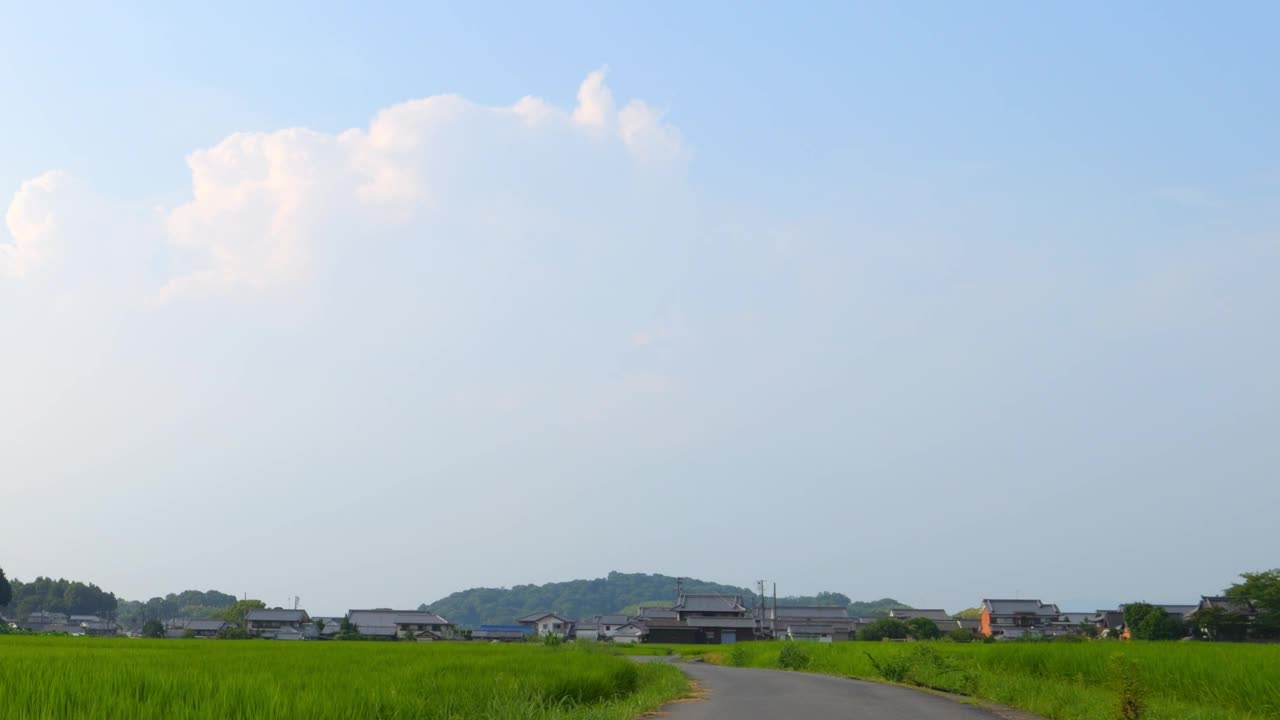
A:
x,y
657,612
1244,607
611,619
535,617
803,611
907,614
264,615
1020,607
360,618
197,625
710,603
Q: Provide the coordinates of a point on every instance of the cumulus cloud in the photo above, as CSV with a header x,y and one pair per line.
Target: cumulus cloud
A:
x,y
262,201
265,207
34,218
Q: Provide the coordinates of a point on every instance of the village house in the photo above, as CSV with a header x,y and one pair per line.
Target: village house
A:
x,y
1108,622
609,624
629,633
42,621
547,623
99,628
802,622
269,623
194,627
944,622
717,619
1235,606
586,631
671,631
407,624
1011,619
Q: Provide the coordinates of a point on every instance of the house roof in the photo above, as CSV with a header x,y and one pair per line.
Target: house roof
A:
x,y
85,618
657,612
1077,617
1234,605
198,625
263,615
1020,607
720,622
535,617
98,625
375,618
632,630
908,613
611,619
808,611
710,603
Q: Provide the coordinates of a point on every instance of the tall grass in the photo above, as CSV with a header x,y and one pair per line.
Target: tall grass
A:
x,y
1180,681
94,679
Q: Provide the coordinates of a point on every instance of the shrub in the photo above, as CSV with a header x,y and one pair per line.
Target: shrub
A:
x,y
884,628
552,640
233,633
738,656
152,629
923,629
960,635
793,656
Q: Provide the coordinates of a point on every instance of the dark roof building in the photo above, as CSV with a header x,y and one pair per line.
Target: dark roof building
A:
x,y
393,623
709,606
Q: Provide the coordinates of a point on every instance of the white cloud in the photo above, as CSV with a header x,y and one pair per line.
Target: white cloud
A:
x,y
261,201
33,219
267,208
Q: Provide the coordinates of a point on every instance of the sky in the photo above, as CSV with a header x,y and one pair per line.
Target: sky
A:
x,y
372,304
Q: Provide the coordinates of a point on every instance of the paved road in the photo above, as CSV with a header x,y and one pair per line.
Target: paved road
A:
x,y
752,694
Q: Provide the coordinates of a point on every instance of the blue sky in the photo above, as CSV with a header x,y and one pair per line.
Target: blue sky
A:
x,y
956,301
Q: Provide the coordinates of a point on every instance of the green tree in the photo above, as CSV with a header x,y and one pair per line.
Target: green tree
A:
x,y
235,614
923,629
6,590
1262,589
960,635
884,628
1148,622
152,629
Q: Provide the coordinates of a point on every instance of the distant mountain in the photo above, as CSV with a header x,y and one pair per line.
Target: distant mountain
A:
x,y
619,592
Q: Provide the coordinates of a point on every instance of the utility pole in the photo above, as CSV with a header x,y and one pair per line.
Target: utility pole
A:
x,y
773,624
679,588
760,606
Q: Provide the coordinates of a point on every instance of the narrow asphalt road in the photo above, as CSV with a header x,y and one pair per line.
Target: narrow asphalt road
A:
x,y
753,694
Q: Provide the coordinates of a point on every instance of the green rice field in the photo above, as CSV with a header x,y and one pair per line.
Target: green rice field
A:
x,y
1061,681
49,678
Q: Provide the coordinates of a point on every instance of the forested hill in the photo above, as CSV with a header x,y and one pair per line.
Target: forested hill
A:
x,y
577,599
